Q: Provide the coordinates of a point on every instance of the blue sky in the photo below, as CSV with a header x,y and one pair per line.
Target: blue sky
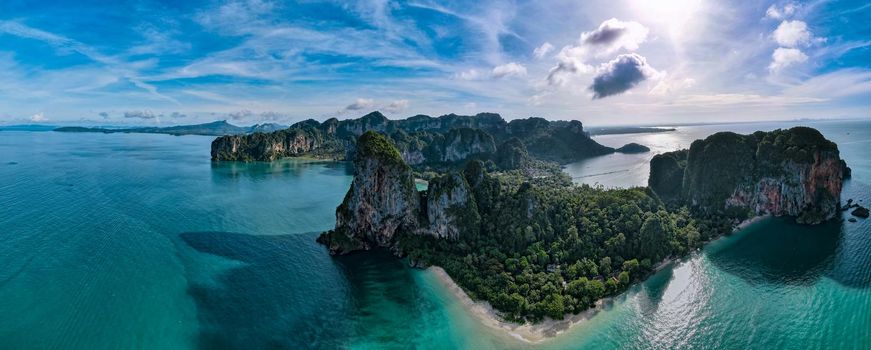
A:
x,y
602,62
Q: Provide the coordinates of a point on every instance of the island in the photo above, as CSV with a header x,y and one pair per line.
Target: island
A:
x,y
512,230
617,130
217,128
441,143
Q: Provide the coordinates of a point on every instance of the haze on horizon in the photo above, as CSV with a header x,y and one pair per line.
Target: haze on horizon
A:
x,y
602,62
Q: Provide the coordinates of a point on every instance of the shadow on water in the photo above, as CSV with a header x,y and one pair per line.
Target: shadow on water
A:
x,y
654,290
290,294
781,251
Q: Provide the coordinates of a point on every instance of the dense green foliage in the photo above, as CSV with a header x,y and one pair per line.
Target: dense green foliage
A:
x,y
666,175
427,143
374,145
544,247
714,168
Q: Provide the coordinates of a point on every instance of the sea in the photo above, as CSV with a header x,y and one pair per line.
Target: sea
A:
x,y
139,241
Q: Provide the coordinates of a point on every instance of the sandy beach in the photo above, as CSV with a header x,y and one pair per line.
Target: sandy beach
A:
x,y
527,332
548,328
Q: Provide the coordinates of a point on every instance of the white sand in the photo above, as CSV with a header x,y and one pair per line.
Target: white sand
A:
x,y
548,328
531,333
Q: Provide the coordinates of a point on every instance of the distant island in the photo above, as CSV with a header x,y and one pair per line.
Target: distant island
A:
x,y
424,142
217,128
614,130
510,228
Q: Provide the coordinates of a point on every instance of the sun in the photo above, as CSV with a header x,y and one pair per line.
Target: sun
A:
x,y
676,20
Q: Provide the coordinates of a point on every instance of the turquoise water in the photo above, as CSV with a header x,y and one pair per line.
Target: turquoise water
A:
x,y
138,241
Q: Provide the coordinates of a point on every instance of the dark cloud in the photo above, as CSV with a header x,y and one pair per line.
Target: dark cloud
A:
x,y
606,34
140,115
178,115
104,115
620,75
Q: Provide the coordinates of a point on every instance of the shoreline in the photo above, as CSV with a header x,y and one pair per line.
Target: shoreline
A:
x,y
748,222
548,328
526,332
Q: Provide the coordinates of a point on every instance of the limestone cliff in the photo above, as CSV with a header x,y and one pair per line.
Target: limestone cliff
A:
x,y
450,206
304,140
463,143
381,202
794,172
441,143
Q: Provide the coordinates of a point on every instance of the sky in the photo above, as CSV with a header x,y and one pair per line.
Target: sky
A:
x,y
613,62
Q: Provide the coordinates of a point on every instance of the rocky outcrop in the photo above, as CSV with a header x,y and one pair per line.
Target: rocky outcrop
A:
x,y
381,202
441,142
450,206
464,143
301,141
633,148
794,172
512,154
666,174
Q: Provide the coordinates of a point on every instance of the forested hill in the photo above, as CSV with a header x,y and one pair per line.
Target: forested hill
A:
x,y
795,172
540,246
422,140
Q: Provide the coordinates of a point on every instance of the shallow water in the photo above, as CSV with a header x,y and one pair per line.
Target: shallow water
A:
x,y
139,241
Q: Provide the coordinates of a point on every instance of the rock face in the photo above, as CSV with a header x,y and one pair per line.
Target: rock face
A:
x,y
304,140
461,144
422,140
450,206
794,172
512,154
666,174
381,202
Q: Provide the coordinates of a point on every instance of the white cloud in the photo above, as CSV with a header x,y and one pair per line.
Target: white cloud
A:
x,y
792,34
38,118
241,115
249,116
396,106
542,50
512,69
360,103
669,85
775,12
785,57
234,17
471,74
611,36
621,74
731,99
145,115
570,60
